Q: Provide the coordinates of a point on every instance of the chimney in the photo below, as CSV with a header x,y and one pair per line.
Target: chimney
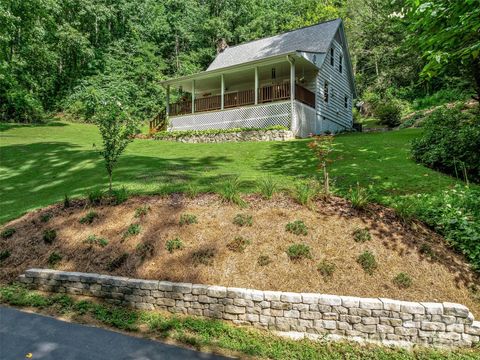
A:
x,y
221,45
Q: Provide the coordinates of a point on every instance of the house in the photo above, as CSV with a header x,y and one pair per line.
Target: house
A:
x,y
301,79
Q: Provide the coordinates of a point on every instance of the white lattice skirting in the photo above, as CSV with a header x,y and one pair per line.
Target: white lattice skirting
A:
x,y
306,120
255,116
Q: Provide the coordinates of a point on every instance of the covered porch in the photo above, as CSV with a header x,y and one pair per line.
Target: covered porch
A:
x,y
243,87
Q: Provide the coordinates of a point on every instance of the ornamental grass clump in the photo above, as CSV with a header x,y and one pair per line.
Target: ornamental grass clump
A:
x,y
230,191
267,186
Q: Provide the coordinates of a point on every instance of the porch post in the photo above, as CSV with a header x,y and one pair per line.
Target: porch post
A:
x,y
293,124
256,85
167,108
193,96
222,91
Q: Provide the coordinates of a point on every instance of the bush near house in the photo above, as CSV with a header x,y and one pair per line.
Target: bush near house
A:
x,y
450,143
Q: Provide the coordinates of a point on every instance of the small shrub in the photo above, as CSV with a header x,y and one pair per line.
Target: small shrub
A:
x,y
264,260
305,192
243,220
66,202
231,191
367,262
402,280
297,227
142,211
427,250
188,219
267,187
5,254
359,197
449,143
119,196
46,217
203,256
94,240
117,262
95,197
88,219
8,233
132,230
54,258
174,244
299,251
239,244
144,250
362,235
49,236
388,114
326,268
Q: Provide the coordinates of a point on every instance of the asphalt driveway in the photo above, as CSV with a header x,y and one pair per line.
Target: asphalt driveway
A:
x,y
48,338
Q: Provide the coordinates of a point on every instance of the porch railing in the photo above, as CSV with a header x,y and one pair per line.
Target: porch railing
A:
x,y
267,93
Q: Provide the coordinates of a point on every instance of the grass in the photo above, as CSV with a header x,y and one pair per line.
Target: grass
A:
x,y
211,334
40,164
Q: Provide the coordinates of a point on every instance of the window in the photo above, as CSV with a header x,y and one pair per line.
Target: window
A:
x,y
274,75
340,63
346,102
325,91
332,56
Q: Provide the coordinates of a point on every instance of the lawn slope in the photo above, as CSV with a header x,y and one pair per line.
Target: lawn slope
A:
x,y
40,164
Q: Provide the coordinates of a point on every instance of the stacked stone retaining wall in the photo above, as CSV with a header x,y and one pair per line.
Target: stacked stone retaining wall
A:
x,y
298,314
253,135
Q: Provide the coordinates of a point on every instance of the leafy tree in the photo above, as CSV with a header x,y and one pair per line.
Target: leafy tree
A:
x,y
447,32
117,129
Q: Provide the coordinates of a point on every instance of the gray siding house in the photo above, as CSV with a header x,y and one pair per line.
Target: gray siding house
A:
x,y
301,79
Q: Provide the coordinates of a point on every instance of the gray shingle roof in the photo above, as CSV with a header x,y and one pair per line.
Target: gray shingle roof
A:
x,y
315,38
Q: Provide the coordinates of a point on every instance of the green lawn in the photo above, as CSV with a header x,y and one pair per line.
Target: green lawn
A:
x,y
40,164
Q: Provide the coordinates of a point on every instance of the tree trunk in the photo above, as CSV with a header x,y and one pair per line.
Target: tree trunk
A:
x,y
110,181
476,77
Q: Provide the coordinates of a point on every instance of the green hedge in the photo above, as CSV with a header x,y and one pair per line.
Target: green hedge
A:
x,y
185,133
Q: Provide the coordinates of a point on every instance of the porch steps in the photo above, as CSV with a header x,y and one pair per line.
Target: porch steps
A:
x,y
158,123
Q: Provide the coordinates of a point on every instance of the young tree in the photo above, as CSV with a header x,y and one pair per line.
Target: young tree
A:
x,y
117,129
322,146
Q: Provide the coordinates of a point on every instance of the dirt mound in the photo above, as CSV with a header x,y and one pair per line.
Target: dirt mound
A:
x,y
203,240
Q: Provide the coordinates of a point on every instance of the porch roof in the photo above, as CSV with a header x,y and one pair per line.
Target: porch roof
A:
x,y
298,56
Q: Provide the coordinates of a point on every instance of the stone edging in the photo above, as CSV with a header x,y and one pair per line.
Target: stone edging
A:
x,y
311,315
252,135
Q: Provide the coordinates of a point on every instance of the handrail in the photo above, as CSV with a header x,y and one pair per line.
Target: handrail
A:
x,y
266,93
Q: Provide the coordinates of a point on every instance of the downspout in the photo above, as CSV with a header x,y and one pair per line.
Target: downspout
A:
x,y
293,124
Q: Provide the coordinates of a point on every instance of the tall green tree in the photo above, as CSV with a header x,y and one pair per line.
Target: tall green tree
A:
x,y
448,34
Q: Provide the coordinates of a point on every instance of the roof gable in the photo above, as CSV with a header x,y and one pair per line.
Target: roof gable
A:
x,y
315,38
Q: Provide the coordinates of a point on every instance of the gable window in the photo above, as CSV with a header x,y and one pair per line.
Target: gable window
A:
x,y
340,63
274,74
332,56
325,91
346,102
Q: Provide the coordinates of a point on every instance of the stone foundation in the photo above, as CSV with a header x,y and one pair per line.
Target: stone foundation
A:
x,y
310,315
254,135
